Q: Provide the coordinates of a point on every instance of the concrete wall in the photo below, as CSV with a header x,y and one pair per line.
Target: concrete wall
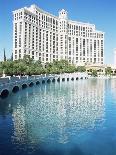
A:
x,y
9,83
4,80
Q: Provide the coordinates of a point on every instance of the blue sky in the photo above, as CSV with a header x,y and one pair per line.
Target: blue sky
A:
x,y
102,13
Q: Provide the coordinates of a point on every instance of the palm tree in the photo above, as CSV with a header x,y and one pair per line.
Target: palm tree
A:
x,y
4,55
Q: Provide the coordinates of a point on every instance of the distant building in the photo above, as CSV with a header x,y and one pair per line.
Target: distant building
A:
x,y
115,56
46,37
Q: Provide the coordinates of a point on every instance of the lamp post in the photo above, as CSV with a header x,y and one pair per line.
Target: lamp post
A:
x,y
3,74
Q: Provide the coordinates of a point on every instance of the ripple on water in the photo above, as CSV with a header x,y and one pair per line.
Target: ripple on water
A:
x,y
76,117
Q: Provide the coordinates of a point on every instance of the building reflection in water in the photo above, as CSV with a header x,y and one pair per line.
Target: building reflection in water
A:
x,y
55,112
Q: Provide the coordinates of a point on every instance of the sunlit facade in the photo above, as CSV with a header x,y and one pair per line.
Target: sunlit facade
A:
x,y
46,37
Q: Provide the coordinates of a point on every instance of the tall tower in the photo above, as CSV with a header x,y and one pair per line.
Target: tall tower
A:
x,y
115,56
63,34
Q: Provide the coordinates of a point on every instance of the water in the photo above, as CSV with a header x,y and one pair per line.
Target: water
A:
x,y
67,118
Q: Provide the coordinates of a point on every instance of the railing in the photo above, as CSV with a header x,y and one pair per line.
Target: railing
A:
x,y
19,79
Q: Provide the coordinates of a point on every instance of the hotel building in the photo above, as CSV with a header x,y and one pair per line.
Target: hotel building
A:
x,y
46,37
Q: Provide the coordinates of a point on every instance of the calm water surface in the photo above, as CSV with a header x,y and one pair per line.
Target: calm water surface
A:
x,y
67,118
